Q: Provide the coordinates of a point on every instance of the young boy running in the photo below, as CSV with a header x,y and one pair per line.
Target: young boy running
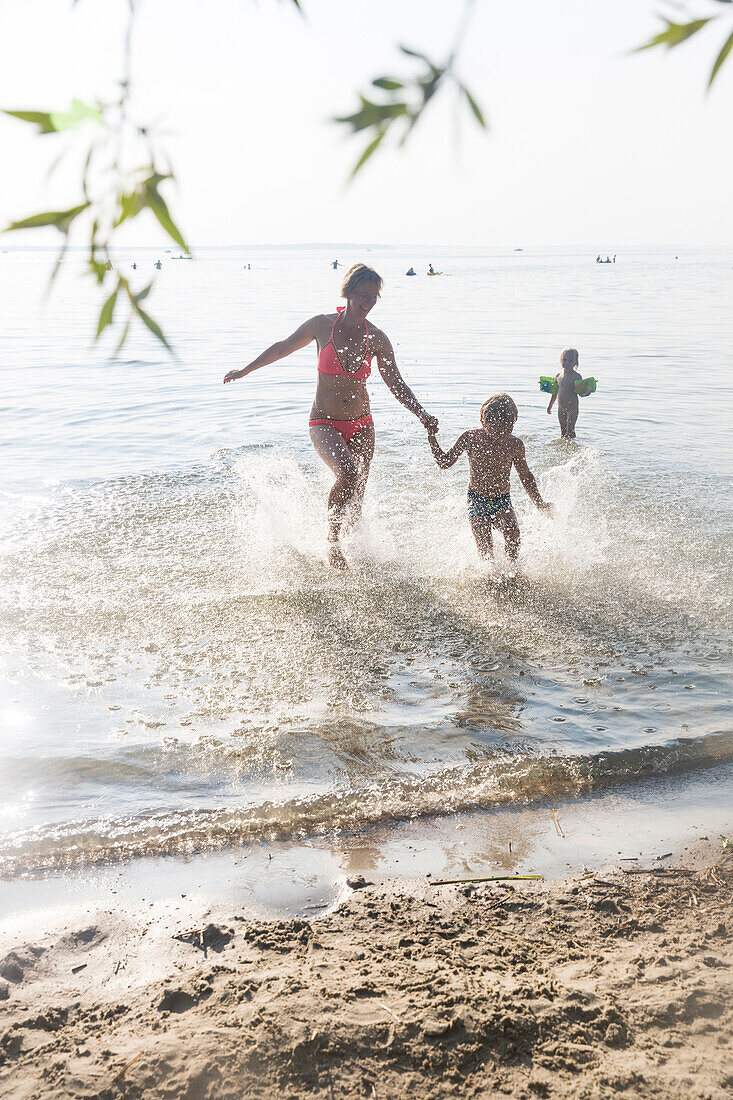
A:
x,y
492,451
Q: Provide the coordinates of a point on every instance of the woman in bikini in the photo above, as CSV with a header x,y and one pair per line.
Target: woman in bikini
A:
x,y
341,427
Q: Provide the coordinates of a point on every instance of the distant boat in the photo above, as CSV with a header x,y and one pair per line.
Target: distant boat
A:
x,y
519,250
182,257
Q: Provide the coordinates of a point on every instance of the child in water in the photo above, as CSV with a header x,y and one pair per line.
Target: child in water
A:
x,y
566,396
492,451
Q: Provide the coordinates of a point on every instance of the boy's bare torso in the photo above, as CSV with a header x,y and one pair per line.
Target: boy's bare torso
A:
x,y
566,380
490,461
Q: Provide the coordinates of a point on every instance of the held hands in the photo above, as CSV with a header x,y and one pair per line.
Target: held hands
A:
x,y
430,423
547,508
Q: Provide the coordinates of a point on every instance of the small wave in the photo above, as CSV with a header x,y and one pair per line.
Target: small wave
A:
x,y
506,781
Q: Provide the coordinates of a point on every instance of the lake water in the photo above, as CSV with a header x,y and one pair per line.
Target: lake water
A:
x,y
180,670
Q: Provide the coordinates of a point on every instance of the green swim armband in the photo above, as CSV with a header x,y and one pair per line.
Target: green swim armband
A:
x,y
548,385
585,387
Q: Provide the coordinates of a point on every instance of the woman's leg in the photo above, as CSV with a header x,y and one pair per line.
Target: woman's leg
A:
x,y
349,462
361,446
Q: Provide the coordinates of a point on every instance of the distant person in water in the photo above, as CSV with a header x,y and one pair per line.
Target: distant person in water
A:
x,y
335,264
341,428
566,396
430,269
411,271
492,452
158,264
134,267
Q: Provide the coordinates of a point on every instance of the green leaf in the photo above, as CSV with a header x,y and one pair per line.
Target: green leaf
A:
x,y
721,58
421,57
413,53
158,206
373,114
130,205
98,269
371,147
57,263
674,35
387,84
478,114
77,114
122,339
62,219
106,313
154,327
41,119
146,319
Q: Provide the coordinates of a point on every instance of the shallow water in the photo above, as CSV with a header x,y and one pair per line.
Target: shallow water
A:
x,y
180,669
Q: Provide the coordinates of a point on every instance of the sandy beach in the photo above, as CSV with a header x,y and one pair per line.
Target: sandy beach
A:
x,y
612,981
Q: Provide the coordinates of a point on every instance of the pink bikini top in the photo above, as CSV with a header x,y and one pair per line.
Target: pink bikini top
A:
x,y
329,362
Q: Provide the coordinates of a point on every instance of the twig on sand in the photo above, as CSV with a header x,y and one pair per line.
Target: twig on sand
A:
x,y
558,826
193,932
123,1071
386,1008
487,878
656,871
503,932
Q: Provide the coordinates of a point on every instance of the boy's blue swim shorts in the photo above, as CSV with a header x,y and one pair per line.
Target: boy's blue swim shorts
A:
x,y
481,507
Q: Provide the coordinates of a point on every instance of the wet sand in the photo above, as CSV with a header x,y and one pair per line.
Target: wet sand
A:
x,y
607,982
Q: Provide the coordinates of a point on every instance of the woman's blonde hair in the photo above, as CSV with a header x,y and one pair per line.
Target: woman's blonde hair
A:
x,y
569,358
357,274
499,409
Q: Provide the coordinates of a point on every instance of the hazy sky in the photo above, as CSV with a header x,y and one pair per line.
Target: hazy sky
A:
x,y
589,145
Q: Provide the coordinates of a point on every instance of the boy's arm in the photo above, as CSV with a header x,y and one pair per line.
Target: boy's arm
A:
x,y
447,458
553,399
527,477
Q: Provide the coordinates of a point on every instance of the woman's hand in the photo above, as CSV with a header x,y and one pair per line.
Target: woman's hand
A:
x,y
549,407
233,375
430,423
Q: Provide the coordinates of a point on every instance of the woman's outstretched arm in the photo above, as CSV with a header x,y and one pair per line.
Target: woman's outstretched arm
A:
x,y
396,383
298,339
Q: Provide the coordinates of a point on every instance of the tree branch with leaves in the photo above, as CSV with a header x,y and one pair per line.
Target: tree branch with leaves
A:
x,y
674,34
